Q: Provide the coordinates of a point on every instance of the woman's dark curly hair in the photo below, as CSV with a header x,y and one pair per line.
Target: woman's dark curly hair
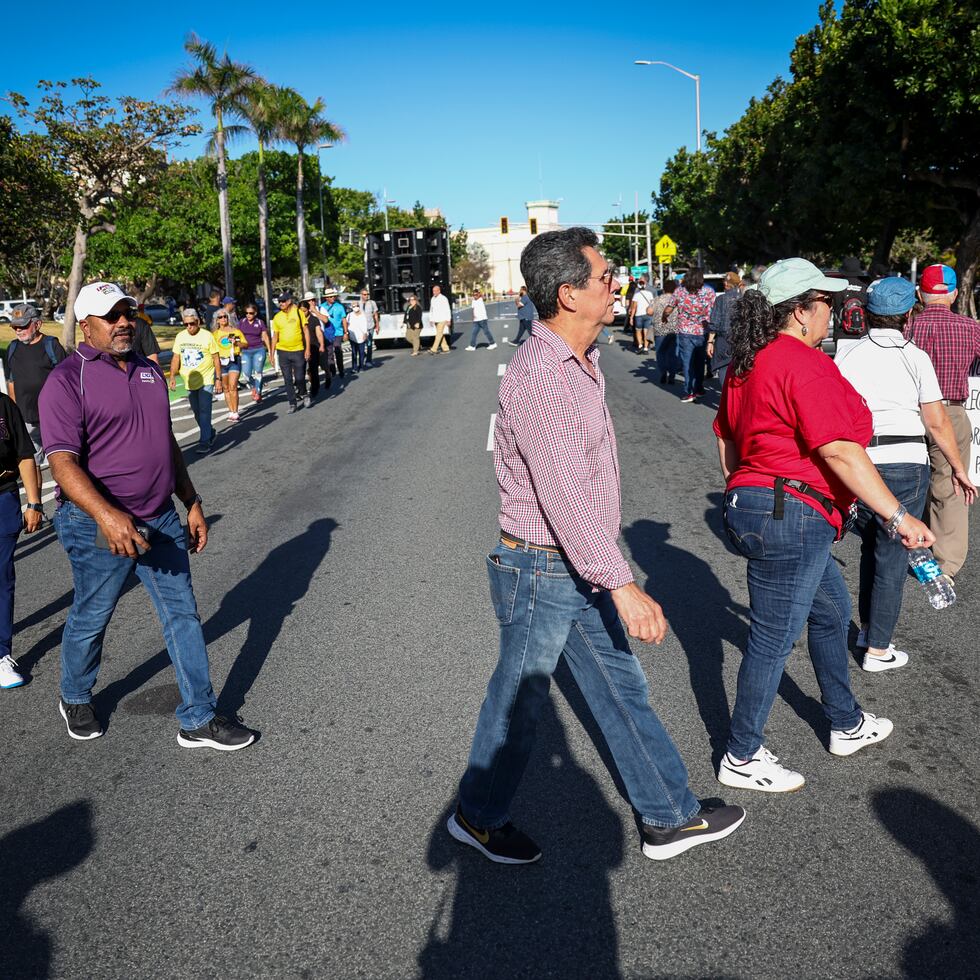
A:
x,y
756,322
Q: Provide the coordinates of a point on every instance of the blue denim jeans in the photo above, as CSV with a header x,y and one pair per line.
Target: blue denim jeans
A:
x,y
691,350
200,401
545,611
478,327
358,354
11,524
99,577
523,326
792,581
253,364
884,561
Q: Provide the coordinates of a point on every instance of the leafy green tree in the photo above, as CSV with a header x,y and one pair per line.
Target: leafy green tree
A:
x,y
304,126
37,215
473,270
112,153
223,83
618,237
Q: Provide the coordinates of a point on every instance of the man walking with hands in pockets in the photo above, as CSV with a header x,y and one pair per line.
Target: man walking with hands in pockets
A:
x,y
558,581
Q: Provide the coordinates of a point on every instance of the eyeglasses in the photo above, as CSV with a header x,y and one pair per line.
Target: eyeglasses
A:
x,y
251,312
114,316
606,278
823,299
221,316
27,326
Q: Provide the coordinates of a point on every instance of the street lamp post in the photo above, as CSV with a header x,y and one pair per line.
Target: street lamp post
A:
x,y
387,201
323,235
697,90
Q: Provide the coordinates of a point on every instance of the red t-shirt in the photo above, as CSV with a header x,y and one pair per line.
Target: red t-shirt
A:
x,y
793,401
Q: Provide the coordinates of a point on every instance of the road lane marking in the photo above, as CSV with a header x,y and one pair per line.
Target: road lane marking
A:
x,y
500,370
493,422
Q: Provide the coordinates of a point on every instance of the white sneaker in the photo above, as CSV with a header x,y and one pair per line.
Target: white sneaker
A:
x,y
862,639
9,676
492,347
871,729
893,658
761,772
471,348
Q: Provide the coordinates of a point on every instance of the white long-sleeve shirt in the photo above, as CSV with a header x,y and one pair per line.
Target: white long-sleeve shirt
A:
x,y
479,310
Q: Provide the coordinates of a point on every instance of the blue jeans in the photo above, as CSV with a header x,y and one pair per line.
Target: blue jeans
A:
x,y
478,326
545,611
99,577
884,561
358,353
792,581
253,364
691,349
668,363
200,401
11,524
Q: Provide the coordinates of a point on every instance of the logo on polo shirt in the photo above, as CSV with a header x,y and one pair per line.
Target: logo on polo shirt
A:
x,y
147,376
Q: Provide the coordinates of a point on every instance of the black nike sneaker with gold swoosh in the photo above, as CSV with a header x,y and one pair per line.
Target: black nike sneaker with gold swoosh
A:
x,y
710,823
505,845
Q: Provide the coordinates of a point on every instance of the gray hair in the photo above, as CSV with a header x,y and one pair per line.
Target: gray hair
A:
x,y
553,259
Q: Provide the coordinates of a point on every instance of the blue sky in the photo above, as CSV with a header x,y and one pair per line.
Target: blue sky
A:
x,y
470,108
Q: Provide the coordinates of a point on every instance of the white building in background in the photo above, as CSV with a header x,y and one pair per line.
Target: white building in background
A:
x,y
505,250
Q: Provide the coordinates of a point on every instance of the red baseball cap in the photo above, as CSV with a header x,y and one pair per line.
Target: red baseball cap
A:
x,y
937,280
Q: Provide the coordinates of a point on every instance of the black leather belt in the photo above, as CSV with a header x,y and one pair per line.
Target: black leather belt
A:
x,y
894,440
800,487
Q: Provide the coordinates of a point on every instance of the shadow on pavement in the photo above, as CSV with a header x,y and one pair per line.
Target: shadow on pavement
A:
x,y
30,855
700,611
549,919
949,847
263,599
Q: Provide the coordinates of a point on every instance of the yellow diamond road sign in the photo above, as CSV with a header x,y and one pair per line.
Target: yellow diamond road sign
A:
x,y
666,249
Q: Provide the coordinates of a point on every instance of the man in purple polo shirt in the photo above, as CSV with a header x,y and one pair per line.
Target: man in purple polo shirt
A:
x,y
106,421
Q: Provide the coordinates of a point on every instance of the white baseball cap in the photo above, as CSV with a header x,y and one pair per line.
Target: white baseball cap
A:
x,y
97,298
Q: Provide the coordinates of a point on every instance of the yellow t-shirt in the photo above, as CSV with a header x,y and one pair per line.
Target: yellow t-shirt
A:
x,y
289,330
196,357
230,343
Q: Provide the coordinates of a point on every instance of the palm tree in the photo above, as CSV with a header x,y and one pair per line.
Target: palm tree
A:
x,y
303,125
258,106
221,81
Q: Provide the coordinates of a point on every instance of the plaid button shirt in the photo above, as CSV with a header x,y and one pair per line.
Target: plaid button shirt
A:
x,y
952,342
555,458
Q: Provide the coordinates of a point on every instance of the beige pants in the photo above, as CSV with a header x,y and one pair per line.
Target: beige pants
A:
x,y
441,327
413,335
946,514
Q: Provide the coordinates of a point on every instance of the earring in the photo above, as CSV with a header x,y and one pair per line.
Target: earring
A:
x,y
803,330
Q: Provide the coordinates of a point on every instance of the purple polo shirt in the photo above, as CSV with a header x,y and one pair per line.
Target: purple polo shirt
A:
x,y
117,423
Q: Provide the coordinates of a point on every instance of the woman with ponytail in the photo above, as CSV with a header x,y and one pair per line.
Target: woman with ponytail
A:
x,y
791,440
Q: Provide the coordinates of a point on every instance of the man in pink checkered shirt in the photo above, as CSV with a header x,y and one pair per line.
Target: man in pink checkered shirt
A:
x,y
952,343
559,583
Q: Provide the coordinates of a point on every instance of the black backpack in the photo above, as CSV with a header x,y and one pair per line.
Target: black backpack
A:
x,y
850,309
49,348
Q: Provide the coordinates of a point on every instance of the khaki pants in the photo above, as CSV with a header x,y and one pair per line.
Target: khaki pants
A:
x,y
946,514
413,335
441,327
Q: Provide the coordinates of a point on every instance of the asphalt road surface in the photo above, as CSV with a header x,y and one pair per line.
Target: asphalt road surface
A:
x,y
344,600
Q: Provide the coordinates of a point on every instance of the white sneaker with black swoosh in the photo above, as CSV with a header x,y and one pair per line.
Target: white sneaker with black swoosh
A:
x,y
893,658
871,729
710,823
762,772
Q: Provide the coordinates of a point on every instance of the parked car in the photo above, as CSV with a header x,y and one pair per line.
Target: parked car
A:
x,y
160,314
59,314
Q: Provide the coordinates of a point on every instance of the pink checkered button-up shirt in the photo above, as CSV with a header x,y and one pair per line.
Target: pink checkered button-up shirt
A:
x,y
952,342
555,457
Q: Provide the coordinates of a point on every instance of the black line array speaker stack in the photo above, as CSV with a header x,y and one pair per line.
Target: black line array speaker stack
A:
x,y
411,260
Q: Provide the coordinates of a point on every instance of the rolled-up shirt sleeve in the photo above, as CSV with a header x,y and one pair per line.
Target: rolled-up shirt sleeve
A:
x,y
550,435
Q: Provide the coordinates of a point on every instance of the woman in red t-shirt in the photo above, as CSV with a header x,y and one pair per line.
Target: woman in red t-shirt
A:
x,y
791,437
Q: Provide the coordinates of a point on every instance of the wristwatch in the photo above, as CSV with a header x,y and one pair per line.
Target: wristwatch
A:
x,y
38,507
196,499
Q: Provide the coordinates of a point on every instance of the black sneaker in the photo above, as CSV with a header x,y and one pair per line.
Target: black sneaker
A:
x,y
505,845
710,823
224,734
81,720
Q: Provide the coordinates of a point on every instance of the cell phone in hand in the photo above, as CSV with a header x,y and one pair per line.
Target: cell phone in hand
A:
x,y
143,530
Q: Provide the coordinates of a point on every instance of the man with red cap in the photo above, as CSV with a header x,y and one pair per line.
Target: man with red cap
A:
x,y
952,343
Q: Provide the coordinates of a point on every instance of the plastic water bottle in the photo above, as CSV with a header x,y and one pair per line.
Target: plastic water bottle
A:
x,y
926,569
